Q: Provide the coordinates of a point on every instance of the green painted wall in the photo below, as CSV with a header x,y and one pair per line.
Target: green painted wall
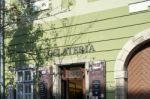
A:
x,y
91,0
107,31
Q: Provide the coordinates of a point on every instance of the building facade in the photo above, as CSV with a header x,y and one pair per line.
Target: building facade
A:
x,y
78,49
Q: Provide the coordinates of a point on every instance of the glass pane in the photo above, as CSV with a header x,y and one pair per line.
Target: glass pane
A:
x,y
28,96
27,88
20,76
19,96
27,75
20,91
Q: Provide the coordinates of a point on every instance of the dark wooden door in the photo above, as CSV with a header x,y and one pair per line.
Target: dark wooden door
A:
x,y
139,75
73,83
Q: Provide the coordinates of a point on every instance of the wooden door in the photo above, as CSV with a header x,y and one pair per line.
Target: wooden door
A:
x,y
139,75
73,83
75,89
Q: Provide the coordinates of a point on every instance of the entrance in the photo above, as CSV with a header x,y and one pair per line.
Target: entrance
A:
x,y
73,82
138,75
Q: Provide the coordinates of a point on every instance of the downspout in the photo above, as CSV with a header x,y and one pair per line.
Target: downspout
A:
x,y
2,58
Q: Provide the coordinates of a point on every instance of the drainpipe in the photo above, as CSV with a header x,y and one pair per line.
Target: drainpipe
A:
x,y
2,58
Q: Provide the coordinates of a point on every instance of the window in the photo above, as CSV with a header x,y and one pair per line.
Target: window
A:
x,y
24,82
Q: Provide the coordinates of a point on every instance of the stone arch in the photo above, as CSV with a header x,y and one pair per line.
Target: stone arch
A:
x,y
120,68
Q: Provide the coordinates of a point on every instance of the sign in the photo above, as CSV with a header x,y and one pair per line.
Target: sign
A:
x,y
43,90
97,80
96,89
72,50
73,72
46,83
76,73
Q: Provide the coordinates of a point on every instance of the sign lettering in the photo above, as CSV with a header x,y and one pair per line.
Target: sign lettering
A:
x,y
72,50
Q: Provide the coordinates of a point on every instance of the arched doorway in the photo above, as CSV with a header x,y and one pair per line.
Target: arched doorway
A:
x,y
127,63
138,74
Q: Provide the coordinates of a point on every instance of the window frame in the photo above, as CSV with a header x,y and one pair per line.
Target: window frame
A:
x,y
23,82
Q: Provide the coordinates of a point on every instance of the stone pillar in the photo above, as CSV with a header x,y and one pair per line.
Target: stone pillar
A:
x,y
121,92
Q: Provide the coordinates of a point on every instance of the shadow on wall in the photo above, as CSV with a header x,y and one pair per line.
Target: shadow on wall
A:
x,y
26,40
140,93
22,46
109,94
22,36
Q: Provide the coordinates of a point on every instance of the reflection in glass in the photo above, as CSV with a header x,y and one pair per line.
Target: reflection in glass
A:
x,y
20,76
27,75
20,91
27,88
